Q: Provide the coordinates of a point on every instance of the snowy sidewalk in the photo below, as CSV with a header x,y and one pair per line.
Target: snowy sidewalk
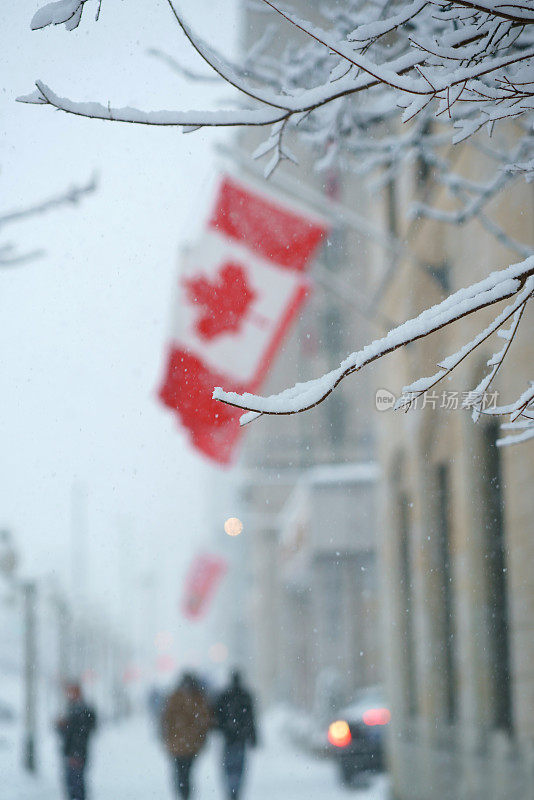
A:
x,y
129,764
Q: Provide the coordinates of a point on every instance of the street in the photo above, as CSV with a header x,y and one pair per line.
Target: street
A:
x,y
128,764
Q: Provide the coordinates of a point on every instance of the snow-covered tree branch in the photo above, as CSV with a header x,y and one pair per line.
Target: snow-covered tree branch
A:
x,y
515,281
378,85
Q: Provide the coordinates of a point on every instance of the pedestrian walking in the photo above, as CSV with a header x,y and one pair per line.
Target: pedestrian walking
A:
x,y
186,721
75,729
234,711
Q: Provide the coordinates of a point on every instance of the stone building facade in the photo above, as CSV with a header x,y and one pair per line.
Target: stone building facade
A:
x,y
457,530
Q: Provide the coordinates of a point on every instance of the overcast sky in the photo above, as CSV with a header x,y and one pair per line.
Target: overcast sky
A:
x,y
84,328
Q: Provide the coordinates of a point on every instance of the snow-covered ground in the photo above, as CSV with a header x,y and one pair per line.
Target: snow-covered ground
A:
x,y
128,764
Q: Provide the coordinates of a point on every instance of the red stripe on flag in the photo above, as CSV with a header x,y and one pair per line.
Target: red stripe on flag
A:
x,y
187,388
265,227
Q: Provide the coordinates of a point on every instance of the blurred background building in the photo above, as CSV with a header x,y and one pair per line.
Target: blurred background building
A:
x,y
456,527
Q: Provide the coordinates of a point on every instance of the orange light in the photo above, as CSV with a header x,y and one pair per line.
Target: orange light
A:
x,y
233,526
339,733
376,716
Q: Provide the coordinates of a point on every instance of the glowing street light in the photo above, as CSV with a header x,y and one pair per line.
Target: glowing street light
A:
x,y
233,526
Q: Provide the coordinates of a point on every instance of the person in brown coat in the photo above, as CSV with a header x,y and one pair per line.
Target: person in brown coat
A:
x,y
185,723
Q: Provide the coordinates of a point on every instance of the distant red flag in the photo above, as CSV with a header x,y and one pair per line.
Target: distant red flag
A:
x,y
239,290
201,582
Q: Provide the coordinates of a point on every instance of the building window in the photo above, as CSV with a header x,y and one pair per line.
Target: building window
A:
x,y
447,590
406,605
496,577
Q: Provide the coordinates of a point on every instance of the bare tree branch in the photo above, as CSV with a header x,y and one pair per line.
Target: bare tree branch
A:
x,y
7,260
70,197
8,256
180,69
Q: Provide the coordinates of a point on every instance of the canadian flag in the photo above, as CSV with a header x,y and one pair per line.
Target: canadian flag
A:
x,y
201,582
238,291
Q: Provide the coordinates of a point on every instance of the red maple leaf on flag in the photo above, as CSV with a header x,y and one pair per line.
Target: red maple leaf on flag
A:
x,y
224,300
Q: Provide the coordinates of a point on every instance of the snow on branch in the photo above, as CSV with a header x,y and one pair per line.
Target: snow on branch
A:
x,y
469,61
496,287
62,12
476,397
525,428
44,95
521,13
411,74
447,69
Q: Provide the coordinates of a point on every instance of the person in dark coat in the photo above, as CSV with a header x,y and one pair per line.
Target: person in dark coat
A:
x,y
185,722
75,729
234,711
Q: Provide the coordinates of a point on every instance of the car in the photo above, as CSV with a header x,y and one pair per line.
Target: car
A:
x,y
356,737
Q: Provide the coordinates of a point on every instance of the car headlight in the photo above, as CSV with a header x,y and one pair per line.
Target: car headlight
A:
x,y
339,733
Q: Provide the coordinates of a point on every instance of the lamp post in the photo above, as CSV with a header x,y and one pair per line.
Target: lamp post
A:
x,y
29,594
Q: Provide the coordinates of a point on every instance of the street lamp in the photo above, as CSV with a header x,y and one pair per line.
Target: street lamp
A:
x,y
29,594
233,526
